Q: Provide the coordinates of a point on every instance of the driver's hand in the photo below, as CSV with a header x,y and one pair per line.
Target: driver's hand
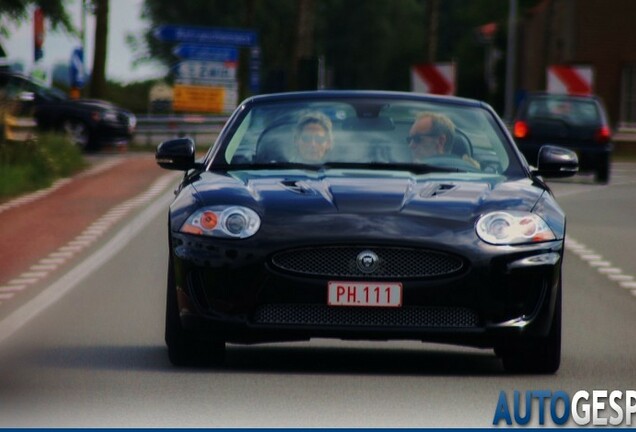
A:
x,y
471,161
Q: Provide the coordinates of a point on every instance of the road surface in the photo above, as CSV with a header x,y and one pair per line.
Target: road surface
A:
x,y
85,349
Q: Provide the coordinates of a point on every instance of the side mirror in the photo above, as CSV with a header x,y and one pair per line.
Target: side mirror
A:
x,y
555,162
176,154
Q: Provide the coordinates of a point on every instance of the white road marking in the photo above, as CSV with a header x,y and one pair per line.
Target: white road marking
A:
x,y
43,267
51,294
12,288
610,270
23,281
595,260
53,261
621,277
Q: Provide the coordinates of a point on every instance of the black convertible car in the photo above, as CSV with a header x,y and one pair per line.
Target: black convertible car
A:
x,y
365,215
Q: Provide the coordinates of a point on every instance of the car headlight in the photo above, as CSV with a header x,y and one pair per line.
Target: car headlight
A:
x,y
513,227
223,221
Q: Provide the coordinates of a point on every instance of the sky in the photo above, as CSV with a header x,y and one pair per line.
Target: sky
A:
x,y
124,18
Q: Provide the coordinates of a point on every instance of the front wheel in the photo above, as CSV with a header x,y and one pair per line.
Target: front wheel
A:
x,y
536,355
185,348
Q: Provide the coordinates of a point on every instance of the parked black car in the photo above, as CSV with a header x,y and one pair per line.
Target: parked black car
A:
x,y
577,122
90,123
319,215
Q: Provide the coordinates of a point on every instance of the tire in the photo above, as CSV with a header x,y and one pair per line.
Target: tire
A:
x,y
602,174
185,348
536,355
79,133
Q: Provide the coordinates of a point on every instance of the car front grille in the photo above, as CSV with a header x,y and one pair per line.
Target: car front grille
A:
x,y
323,315
392,262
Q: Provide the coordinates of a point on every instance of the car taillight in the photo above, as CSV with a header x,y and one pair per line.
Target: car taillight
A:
x,y
602,134
520,129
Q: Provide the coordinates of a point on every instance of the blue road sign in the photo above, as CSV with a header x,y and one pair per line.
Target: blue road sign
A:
x,y
76,68
206,35
190,51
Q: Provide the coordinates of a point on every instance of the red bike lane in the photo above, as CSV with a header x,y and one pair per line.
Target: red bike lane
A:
x,y
40,225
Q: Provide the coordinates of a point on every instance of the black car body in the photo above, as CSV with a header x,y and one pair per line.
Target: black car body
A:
x,y
577,122
367,244
90,123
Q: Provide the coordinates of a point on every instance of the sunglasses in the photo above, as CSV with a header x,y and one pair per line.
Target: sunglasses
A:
x,y
309,138
420,138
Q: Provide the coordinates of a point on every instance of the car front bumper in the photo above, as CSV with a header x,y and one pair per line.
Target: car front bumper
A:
x,y
239,295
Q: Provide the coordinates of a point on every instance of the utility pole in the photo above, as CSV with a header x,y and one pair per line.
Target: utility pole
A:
x,y
98,75
511,57
432,21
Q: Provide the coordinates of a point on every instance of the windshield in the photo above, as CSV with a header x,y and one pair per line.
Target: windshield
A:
x,y
371,133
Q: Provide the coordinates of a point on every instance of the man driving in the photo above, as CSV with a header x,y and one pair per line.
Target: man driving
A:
x,y
433,134
429,135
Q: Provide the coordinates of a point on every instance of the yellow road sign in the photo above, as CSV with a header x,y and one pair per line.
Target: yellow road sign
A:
x,y
198,98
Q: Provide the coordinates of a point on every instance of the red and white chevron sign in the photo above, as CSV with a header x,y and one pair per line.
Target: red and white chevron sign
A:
x,y
570,79
434,78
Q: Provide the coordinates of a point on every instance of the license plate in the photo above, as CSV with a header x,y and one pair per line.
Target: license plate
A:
x,y
375,294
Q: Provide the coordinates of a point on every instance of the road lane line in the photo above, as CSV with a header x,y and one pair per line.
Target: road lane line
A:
x,y
603,267
65,284
12,288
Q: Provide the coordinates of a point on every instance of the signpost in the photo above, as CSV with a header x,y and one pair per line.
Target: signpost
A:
x,y
206,35
76,72
205,52
433,78
206,78
202,71
570,79
198,98
38,34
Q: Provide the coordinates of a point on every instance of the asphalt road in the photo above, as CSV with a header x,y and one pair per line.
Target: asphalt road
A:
x,y
90,353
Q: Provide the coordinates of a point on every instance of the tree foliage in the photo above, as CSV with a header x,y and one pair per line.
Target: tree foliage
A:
x,y
364,43
16,11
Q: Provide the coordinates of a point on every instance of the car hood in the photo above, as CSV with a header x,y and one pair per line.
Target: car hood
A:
x,y
362,202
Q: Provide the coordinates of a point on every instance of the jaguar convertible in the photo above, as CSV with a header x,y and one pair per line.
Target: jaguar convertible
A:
x,y
365,215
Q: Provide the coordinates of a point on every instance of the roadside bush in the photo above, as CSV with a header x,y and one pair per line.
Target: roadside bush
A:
x,y
32,165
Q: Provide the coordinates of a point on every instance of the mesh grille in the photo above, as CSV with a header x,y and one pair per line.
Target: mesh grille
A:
x,y
322,315
393,262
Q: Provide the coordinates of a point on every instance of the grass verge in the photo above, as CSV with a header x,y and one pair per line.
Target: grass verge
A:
x,y
33,165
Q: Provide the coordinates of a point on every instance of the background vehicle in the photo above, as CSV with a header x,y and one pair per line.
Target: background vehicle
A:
x,y
577,122
90,123
365,243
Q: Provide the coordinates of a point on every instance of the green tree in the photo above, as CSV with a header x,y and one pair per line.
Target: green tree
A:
x,y
358,39
12,11
372,44
364,43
